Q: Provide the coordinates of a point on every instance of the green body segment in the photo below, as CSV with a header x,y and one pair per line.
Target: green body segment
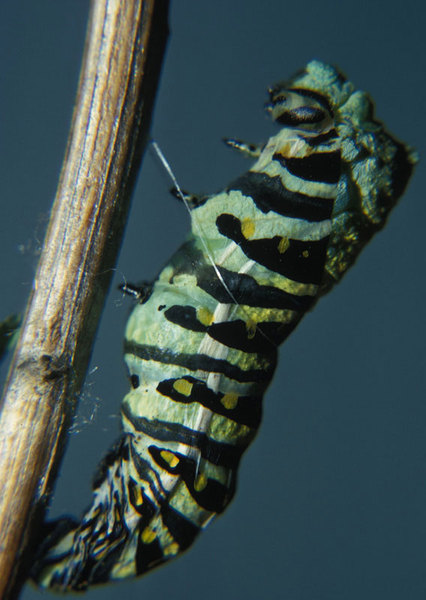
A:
x,y
201,345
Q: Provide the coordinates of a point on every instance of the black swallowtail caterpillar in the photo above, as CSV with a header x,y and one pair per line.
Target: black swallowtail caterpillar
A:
x,y
201,344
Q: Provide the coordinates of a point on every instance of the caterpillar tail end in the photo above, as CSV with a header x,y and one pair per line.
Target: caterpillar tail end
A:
x,y
52,567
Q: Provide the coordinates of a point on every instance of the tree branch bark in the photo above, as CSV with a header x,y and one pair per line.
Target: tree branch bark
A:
x,y
121,64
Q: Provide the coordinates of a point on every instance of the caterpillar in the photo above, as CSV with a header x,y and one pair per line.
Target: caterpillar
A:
x,y
201,343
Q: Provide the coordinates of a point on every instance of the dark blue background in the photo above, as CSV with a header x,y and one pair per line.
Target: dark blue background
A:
x,y
332,496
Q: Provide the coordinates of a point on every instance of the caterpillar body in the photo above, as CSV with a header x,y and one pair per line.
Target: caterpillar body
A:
x,y
201,344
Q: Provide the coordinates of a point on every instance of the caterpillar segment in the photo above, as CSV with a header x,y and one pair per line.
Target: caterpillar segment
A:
x,y
201,346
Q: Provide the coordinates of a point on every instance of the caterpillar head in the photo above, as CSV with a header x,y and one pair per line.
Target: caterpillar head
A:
x,y
375,166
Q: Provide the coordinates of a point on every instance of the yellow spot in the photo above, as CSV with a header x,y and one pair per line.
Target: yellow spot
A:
x,y
124,570
138,495
283,245
171,550
305,253
251,329
200,483
204,316
230,401
247,228
148,535
182,386
170,458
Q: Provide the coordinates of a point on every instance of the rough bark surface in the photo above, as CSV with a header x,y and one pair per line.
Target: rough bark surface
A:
x,y
122,59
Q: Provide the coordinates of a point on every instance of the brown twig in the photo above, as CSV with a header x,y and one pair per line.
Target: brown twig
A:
x,y
124,47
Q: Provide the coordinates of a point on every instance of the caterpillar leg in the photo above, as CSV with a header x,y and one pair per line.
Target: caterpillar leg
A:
x,y
140,292
249,150
191,200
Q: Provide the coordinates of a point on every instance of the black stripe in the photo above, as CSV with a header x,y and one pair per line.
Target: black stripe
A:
x,y
147,509
248,410
246,290
315,96
185,316
322,138
148,555
234,334
303,115
146,472
302,261
267,337
195,362
218,453
323,167
269,194
181,529
132,488
214,497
